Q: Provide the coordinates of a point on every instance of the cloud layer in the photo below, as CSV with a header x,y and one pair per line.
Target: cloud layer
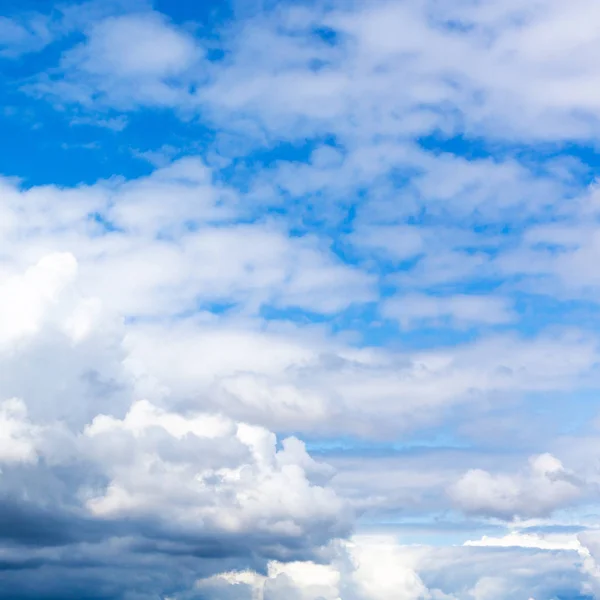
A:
x,y
299,301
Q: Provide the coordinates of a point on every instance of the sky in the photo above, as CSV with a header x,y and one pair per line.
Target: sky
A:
x,y
299,300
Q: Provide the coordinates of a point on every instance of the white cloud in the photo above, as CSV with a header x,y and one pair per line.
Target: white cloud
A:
x,y
546,486
413,68
399,242
21,36
25,300
17,434
380,568
382,572
459,310
518,539
293,379
393,70
584,545
245,485
126,60
187,462
558,257
83,449
135,46
364,569
164,243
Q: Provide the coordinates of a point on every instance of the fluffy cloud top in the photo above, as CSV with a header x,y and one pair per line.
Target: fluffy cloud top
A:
x,y
546,486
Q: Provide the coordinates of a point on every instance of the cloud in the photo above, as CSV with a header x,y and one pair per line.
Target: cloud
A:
x,y
379,568
152,48
21,36
397,242
545,487
80,451
245,486
409,69
18,438
181,474
529,540
460,310
584,545
311,384
382,251
160,246
121,49
557,257
26,299
175,236
363,570
32,31
385,70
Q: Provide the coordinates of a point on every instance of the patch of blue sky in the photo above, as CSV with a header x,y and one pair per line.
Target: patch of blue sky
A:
x,y
212,14
69,149
537,311
437,529
415,444
327,34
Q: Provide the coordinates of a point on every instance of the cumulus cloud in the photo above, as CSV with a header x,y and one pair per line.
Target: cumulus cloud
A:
x,y
546,486
81,451
181,471
370,568
25,300
245,487
366,569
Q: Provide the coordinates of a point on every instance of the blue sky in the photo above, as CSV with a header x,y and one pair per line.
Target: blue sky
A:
x,y
299,300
